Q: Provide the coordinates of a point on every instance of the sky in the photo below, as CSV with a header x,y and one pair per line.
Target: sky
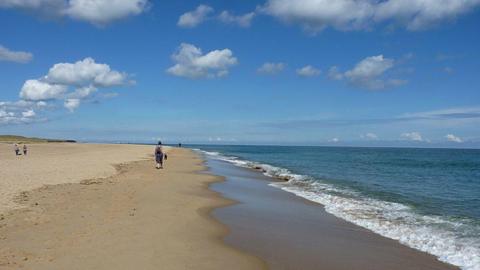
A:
x,y
288,72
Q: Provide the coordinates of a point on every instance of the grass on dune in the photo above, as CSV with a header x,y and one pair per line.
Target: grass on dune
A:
x,y
22,139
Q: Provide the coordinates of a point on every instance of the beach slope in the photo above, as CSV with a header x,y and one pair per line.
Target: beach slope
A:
x,y
139,218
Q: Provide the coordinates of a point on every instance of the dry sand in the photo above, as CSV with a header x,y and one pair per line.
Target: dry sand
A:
x,y
58,163
140,218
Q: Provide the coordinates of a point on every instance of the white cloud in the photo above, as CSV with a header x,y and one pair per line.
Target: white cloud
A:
x,y
308,71
101,12
271,68
453,138
195,17
412,136
460,113
20,112
334,140
70,83
421,14
191,63
85,72
72,104
370,136
39,7
97,12
28,114
335,74
36,90
316,15
244,20
368,73
14,56
83,92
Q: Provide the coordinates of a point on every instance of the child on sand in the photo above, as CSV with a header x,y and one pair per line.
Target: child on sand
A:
x,y
25,150
16,149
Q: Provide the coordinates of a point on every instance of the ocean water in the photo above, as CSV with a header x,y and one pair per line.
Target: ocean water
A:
x,y
428,199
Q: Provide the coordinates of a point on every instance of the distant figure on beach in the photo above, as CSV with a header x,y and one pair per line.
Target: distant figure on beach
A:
x,y
25,150
180,145
159,155
16,149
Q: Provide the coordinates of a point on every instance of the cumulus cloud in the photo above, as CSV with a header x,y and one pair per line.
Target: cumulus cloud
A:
x,y
368,73
271,68
453,138
20,112
28,114
7,117
40,7
72,83
244,20
193,18
308,71
101,12
14,56
85,72
72,104
421,14
36,90
412,136
316,15
190,62
334,140
97,12
335,74
369,136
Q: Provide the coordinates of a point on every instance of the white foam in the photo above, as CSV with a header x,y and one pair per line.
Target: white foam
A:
x,y
432,234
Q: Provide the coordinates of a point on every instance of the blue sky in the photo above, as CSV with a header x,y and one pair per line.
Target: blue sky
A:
x,y
314,72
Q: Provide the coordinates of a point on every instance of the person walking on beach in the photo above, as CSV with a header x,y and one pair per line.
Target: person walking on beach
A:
x,y
159,155
16,149
25,150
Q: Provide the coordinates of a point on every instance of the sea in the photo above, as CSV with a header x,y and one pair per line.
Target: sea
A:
x,y
427,199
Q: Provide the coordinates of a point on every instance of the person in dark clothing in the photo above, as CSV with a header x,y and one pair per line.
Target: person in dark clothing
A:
x,y
25,149
159,156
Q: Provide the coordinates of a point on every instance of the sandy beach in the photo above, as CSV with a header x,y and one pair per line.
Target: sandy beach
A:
x,y
92,206
58,163
137,218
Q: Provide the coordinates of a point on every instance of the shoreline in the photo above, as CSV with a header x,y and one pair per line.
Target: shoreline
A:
x,y
291,232
138,218
449,240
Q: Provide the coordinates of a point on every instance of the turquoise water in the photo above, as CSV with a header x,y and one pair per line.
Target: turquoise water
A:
x,y
428,199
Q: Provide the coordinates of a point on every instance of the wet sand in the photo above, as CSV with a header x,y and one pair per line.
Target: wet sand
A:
x,y
289,232
139,218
